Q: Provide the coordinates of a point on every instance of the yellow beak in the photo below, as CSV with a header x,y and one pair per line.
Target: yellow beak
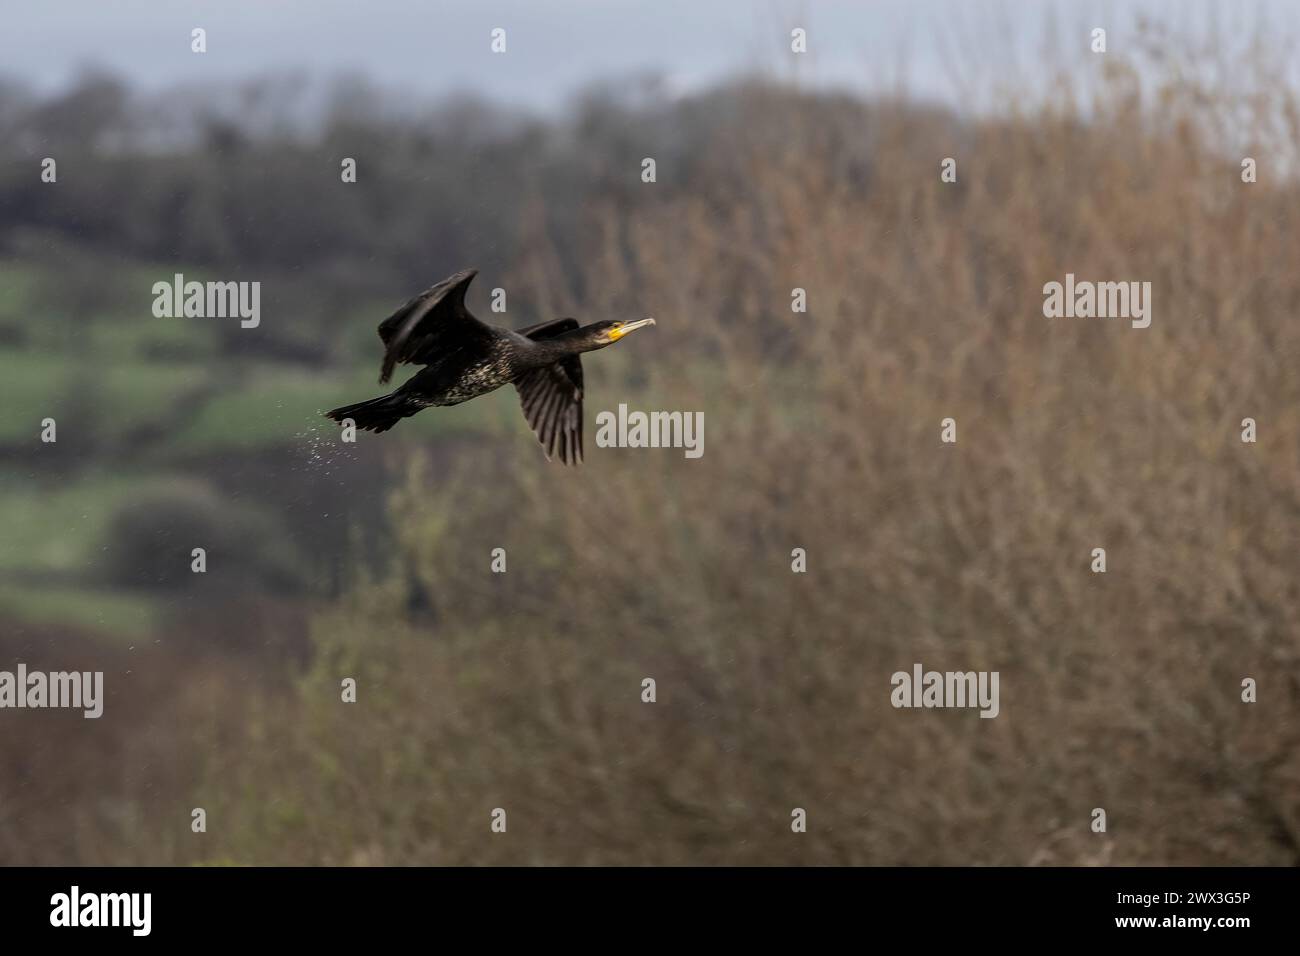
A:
x,y
618,331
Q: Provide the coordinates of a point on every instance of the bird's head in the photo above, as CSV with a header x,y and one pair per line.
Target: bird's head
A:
x,y
600,334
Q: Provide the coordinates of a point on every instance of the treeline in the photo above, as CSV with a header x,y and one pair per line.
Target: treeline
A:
x,y
250,181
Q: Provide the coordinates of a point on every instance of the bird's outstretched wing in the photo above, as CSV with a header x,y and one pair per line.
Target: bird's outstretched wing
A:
x,y
552,397
434,321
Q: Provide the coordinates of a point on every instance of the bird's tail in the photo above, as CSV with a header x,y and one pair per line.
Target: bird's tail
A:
x,y
378,414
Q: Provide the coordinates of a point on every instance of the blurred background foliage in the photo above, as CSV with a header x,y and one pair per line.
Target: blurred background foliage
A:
x,y
522,690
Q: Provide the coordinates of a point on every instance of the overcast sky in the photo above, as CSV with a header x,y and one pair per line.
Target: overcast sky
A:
x,y
436,47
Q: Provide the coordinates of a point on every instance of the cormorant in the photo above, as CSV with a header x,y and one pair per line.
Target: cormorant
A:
x,y
463,359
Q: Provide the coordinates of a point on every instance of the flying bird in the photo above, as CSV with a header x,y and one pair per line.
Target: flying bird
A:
x,y
463,359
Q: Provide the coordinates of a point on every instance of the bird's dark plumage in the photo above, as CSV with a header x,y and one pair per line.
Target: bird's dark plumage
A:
x,y
551,396
463,358
435,319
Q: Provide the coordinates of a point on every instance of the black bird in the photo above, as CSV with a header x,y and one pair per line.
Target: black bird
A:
x,y
463,359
